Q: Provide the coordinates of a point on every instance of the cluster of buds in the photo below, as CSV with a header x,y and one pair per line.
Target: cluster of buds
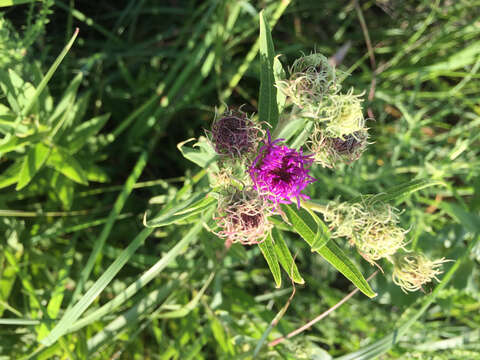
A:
x,y
255,175
371,226
339,133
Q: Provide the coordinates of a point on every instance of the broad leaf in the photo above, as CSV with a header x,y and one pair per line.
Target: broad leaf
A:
x,y
203,156
80,135
32,163
66,164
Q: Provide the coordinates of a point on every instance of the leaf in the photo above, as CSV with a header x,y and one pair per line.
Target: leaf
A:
x,y
63,189
15,142
267,104
16,90
402,190
10,175
67,100
194,205
469,220
32,163
322,236
268,251
330,252
28,107
285,257
80,135
203,157
279,74
4,3
66,164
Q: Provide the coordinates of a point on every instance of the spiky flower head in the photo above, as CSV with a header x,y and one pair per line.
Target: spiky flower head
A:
x,y
411,270
342,115
243,217
331,151
281,173
234,134
311,78
370,225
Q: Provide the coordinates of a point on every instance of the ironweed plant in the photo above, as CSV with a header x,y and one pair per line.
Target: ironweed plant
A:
x,y
263,174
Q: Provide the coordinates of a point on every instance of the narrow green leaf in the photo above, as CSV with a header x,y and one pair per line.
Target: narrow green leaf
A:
x,y
32,163
80,135
279,74
141,282
403,190
26,110
267,104
285,257
67,101
330,252
322,236
71,315
270,256
192,205
469,220
5,3
66,164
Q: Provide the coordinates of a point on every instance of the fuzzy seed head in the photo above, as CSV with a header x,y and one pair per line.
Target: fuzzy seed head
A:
x,y
370,226
330,151
312,77
411,270
281,173
243,217
342,115
234,134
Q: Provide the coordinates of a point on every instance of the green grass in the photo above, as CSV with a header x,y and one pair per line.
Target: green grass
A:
x,y
90,146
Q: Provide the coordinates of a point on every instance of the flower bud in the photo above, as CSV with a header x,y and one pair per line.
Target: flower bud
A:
x,y
411,270
234,134
370,226
312,77
243,217
342,115
330,151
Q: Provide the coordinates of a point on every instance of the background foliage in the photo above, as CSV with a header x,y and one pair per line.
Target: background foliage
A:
x,y
80,165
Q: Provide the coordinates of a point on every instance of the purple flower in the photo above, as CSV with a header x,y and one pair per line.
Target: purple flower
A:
x,y
281,173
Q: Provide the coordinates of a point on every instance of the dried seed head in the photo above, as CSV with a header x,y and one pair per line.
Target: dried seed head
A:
x,y
234,134
330,151
370,225
411,270
243,217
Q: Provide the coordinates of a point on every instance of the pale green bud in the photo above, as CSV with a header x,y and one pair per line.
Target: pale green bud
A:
x,y
411,270
370,226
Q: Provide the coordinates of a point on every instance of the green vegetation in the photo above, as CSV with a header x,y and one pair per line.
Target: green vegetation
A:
x,y
107,249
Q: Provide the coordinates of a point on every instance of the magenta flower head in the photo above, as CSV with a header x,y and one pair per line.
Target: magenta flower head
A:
x,y
234,134
281,173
